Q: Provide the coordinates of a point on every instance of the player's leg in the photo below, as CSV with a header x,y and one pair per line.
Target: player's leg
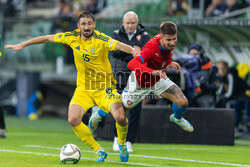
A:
x,y
119,88
75,115
110,101
80,103
169,90
180,105
118,113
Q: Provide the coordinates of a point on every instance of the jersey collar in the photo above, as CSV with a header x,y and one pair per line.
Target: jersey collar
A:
x,y
163,49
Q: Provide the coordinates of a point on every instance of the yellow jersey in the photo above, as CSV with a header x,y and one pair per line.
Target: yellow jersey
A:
x,y
91,59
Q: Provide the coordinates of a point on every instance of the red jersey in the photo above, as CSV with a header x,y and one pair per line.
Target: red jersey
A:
x,y
152,57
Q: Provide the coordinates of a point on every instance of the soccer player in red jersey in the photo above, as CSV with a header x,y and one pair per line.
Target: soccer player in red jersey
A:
x,y
149,75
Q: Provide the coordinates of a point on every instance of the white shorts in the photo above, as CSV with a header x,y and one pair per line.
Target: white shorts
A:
x,y
134,94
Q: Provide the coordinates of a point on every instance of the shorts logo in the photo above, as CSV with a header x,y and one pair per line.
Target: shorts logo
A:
x,y
129,102
60,36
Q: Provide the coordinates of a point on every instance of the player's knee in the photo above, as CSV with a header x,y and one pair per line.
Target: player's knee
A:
x,y
73,121
121,120
183,103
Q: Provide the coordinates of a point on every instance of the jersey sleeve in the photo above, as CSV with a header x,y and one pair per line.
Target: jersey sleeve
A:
x,y
109,42
146,54
62,38
138,62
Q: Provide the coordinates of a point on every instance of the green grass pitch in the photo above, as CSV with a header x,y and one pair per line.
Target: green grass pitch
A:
x,y
37,144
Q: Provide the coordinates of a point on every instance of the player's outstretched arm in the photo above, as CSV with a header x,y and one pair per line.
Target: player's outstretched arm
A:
x,y
37,40
126,48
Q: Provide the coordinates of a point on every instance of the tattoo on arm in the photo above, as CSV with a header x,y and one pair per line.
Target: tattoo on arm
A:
x,y
175,91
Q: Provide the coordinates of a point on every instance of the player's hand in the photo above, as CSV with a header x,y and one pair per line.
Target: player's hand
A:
x,y
160,73
176,66
14,47
137,48
135,53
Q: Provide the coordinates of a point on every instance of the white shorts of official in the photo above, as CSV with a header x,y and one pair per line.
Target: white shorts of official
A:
x,y
134,94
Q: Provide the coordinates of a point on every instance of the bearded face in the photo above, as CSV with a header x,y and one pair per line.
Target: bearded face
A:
x,y
86,26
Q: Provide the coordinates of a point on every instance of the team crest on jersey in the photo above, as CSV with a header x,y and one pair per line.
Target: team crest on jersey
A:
x,y
92,50
129,102
163,64
138,37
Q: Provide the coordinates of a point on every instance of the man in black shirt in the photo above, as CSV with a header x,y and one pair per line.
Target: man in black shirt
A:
x,y
133,34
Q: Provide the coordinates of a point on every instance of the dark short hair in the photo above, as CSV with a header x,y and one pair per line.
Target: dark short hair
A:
x,y
86,14
168,28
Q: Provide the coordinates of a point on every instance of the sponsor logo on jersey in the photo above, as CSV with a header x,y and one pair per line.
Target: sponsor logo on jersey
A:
x,y
85,50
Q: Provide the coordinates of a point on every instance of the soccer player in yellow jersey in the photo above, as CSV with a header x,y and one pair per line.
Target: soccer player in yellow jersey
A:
x,y
95,81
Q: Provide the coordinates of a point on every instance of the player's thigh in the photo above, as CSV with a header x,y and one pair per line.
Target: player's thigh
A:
x,y
161,86
175,94
105,98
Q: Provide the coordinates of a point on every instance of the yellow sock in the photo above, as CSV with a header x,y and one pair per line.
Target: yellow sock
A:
x,y
122,132
82,132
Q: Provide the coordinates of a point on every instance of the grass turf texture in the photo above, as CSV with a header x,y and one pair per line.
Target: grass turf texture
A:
x,y
37,144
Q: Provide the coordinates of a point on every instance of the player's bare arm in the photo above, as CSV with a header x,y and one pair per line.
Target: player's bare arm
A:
x,y
37,40
126,48
175,65
137,48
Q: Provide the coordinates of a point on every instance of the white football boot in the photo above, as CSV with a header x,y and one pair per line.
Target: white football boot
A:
x,y
183,123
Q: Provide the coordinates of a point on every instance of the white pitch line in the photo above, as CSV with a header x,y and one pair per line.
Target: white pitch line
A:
x,y
191,160
41,134
155,157
57,155
170,148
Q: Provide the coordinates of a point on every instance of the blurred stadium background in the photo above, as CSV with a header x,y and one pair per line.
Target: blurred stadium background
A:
x,y
38,82
47,70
